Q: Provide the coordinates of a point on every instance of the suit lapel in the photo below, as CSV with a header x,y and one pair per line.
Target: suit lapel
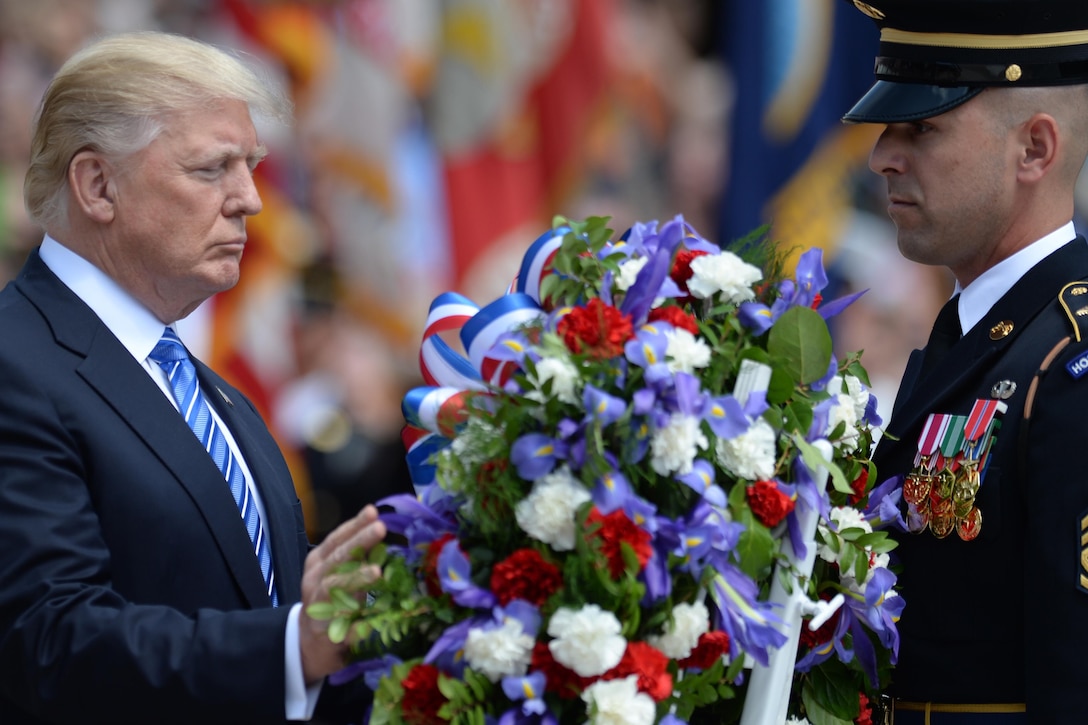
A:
x,y
277,494
125,387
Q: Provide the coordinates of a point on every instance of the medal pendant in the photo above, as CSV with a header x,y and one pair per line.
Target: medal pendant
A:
x,y
917,487
970,526
942,524
945,483
939,506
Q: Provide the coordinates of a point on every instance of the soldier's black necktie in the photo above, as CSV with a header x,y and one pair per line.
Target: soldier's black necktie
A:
x,y
946,331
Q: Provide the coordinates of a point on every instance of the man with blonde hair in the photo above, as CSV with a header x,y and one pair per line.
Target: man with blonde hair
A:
x,y
153,560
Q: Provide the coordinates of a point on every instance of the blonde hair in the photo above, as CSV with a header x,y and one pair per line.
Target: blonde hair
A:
x,y
113,96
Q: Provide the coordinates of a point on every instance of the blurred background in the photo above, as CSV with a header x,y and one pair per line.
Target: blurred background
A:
x,y
434,140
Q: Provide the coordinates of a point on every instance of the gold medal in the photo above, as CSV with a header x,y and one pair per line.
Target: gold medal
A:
x,y
942,524
970,525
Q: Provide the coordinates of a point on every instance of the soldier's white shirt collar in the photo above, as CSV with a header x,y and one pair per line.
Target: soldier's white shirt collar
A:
x,y
977,298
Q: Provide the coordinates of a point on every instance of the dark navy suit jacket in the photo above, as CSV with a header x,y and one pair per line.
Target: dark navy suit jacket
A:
x,y
129,591
1004,618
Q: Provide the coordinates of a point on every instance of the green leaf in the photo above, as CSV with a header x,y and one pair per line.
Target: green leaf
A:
x,y
338,629
343,600
801,344
833,692
812,457
321,610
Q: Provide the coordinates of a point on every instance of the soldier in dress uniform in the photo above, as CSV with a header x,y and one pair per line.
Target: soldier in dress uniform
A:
x,y
985,106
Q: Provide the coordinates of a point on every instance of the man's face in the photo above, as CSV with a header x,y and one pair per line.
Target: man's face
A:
x,y
181,206
950,187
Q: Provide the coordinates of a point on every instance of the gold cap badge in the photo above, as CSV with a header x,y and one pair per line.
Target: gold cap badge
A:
x,y
1001,330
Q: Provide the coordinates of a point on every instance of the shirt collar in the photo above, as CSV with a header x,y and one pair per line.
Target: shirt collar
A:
x,y
977,298
135,326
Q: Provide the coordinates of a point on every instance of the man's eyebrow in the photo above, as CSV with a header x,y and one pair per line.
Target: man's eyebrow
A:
x,y
259,154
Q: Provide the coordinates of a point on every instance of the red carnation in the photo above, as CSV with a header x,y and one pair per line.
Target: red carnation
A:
x,y
676,317
422,698
865,711
525,575
858,487
651,666
429,566
710,648
560,680
599,330
681,267
769,503
615,530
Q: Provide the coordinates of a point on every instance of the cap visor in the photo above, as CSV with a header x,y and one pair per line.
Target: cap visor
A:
x,y
890,102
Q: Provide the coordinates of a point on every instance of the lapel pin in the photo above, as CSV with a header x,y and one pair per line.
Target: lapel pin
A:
x,y
1003,390
1001,329
224,396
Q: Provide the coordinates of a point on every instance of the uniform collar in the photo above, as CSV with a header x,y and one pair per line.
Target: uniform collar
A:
x,y
977,298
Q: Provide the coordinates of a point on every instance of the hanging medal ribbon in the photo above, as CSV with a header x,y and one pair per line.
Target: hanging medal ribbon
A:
x,y
940,491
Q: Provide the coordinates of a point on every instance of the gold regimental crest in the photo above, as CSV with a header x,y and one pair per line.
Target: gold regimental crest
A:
x,y
869,10
1082,581
1072,298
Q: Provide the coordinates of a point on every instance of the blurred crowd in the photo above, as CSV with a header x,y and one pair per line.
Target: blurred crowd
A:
x,y
402,106
354,241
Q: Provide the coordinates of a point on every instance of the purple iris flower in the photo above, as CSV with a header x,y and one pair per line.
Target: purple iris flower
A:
x,y
726,417
871,416
883,509
372,671
656,576
648,346
757,316
690,399
535,455
528,690
455,576
417,522
701,479
513,347
603,407
611,492
447,652
653,279
519,609
752,625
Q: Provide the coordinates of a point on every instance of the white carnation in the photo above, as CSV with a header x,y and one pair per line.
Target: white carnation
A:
x,y
846,517
501,652
842,411
726,273
681,635
547,513
855,389
752,454
797,721
586,640
686,353
629,270
564,377
619,702
674,447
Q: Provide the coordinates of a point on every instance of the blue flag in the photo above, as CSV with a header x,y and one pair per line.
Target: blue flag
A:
x,y
799,66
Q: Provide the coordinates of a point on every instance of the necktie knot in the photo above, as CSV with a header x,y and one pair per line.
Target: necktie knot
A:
x,y
168,349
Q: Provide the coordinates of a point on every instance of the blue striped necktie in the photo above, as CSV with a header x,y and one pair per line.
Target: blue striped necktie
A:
x,y
172,357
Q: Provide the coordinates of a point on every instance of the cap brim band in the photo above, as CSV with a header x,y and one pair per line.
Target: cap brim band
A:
x,y
890,102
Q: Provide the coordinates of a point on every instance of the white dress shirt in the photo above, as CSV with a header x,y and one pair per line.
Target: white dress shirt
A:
x,y
977,298
138,330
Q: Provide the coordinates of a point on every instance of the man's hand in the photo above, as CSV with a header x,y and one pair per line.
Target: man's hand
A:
x,y
320,657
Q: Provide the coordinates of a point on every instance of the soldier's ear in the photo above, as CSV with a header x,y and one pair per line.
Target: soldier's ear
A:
x,y
1039,137
93,192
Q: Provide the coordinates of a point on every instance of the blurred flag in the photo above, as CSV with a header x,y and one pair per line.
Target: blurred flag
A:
x,y
517,87
799,65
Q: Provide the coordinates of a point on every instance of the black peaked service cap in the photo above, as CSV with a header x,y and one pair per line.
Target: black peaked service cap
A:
x,y
937,54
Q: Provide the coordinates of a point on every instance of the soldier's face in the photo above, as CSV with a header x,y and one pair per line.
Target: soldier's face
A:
x,y
951,187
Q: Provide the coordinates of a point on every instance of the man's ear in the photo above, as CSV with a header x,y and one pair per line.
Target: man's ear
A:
x,y
1041,138
90,177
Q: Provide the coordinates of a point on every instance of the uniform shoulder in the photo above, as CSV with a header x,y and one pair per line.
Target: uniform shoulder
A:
x,y
1073,299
